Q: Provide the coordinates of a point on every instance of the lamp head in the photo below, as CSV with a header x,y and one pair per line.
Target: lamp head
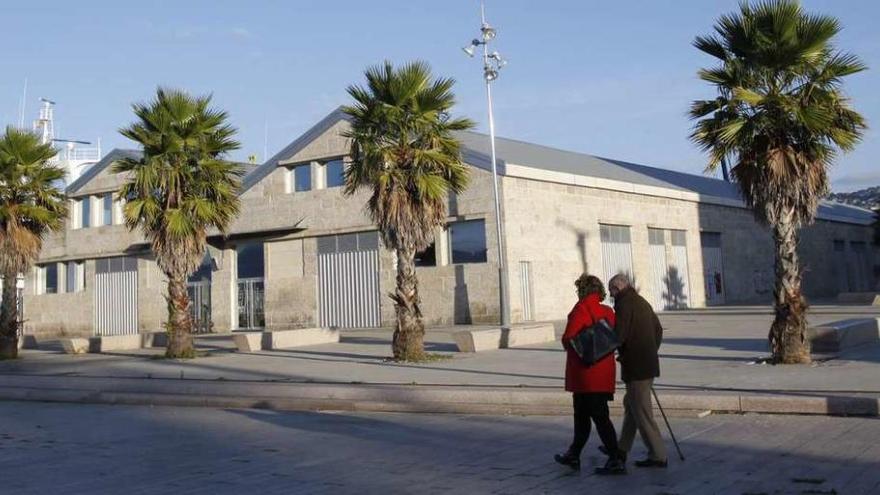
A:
x,y
470,49
488,32
490,74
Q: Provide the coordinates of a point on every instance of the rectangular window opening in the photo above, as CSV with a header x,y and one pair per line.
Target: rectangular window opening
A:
x,y
468,241
334,173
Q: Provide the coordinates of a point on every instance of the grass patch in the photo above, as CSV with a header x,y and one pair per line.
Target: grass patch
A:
x,y
192,355
428,357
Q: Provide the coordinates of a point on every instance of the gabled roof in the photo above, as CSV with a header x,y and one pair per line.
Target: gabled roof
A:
x,y
511,152
117,154
114,155
298,144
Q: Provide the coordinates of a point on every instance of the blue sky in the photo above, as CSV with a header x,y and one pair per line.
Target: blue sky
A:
x,y
608,78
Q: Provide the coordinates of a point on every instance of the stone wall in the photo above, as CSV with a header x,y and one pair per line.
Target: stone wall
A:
x,y
556,227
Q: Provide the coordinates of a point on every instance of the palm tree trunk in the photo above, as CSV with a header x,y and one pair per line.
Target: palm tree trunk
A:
x,y
180,339
788,341
9,317
409,337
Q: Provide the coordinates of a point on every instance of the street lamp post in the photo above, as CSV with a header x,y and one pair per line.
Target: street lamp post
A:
x,y
492,64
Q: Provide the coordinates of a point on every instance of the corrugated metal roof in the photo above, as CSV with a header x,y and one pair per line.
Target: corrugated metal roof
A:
x,y
545,158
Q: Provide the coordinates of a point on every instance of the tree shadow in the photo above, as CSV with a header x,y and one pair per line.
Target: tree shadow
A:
x,y
581,236
461,300
674,296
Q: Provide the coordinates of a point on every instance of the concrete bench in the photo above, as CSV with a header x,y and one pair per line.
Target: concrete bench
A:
x,y
248,341
75,345
108,343
497,338
868,298
478,340
520,335
154,339
28,342
845,334
280,339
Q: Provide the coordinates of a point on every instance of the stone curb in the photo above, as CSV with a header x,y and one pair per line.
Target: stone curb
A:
x,y
396,398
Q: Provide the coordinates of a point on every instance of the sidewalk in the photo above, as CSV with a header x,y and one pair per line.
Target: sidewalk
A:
x,y
708,362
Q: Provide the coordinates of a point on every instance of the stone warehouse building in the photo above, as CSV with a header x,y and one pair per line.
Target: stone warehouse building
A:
x,y
301,254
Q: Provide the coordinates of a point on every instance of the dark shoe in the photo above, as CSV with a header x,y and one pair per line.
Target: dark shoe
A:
x,y
651,463
568,459
614,466
620,454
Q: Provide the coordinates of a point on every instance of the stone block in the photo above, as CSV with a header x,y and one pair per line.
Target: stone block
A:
x,y
28,342
154,339
248,341
108,343
845,334
478,340
520,335
75,346
867,298
280,339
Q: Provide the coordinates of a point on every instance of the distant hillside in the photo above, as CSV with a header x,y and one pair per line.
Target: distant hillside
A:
x,y
866,198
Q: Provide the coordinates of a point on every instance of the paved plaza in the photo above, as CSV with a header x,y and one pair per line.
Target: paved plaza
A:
x,y
94,449
703,350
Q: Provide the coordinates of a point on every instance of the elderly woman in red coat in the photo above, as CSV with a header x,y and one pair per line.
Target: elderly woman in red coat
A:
x,y
591,386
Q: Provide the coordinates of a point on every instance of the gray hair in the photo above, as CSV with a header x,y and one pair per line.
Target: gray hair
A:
x,y
620,281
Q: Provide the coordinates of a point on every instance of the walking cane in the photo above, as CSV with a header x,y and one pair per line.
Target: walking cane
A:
x,y
657,399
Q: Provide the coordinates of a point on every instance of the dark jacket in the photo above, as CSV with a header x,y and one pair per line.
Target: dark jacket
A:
x,y
640,335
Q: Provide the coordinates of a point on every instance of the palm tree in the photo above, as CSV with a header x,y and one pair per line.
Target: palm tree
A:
x,y
782,117
179,190
404,152
31,205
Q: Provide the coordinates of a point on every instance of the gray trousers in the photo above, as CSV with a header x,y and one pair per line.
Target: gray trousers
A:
x,y
638,414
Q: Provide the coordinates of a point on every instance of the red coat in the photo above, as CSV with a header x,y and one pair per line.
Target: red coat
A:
x,y
578,377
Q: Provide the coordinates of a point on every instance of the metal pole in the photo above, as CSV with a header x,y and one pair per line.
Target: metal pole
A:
x,y
504,297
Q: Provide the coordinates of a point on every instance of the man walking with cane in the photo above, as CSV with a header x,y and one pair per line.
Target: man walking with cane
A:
x,y
640,334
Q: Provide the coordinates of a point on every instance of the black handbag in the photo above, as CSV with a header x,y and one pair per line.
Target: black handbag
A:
x,y
594,342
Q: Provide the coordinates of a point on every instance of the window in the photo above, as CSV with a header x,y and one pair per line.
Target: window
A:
x,y
428,257
85,212
468,241
204,271
74,279
50,278
301,177
251,263
108,209
679,237
334,172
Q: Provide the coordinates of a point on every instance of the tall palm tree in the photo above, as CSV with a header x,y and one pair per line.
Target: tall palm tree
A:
x,y
404,152
179,190
31,205
782,116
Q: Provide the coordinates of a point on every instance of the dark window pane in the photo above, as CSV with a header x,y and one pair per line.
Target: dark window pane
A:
x,y
346,243
51,278
302,178
71,276
468,241
108,209
710,239
335,171
250,260
327,244
368,241
85,220
428,257
203,272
